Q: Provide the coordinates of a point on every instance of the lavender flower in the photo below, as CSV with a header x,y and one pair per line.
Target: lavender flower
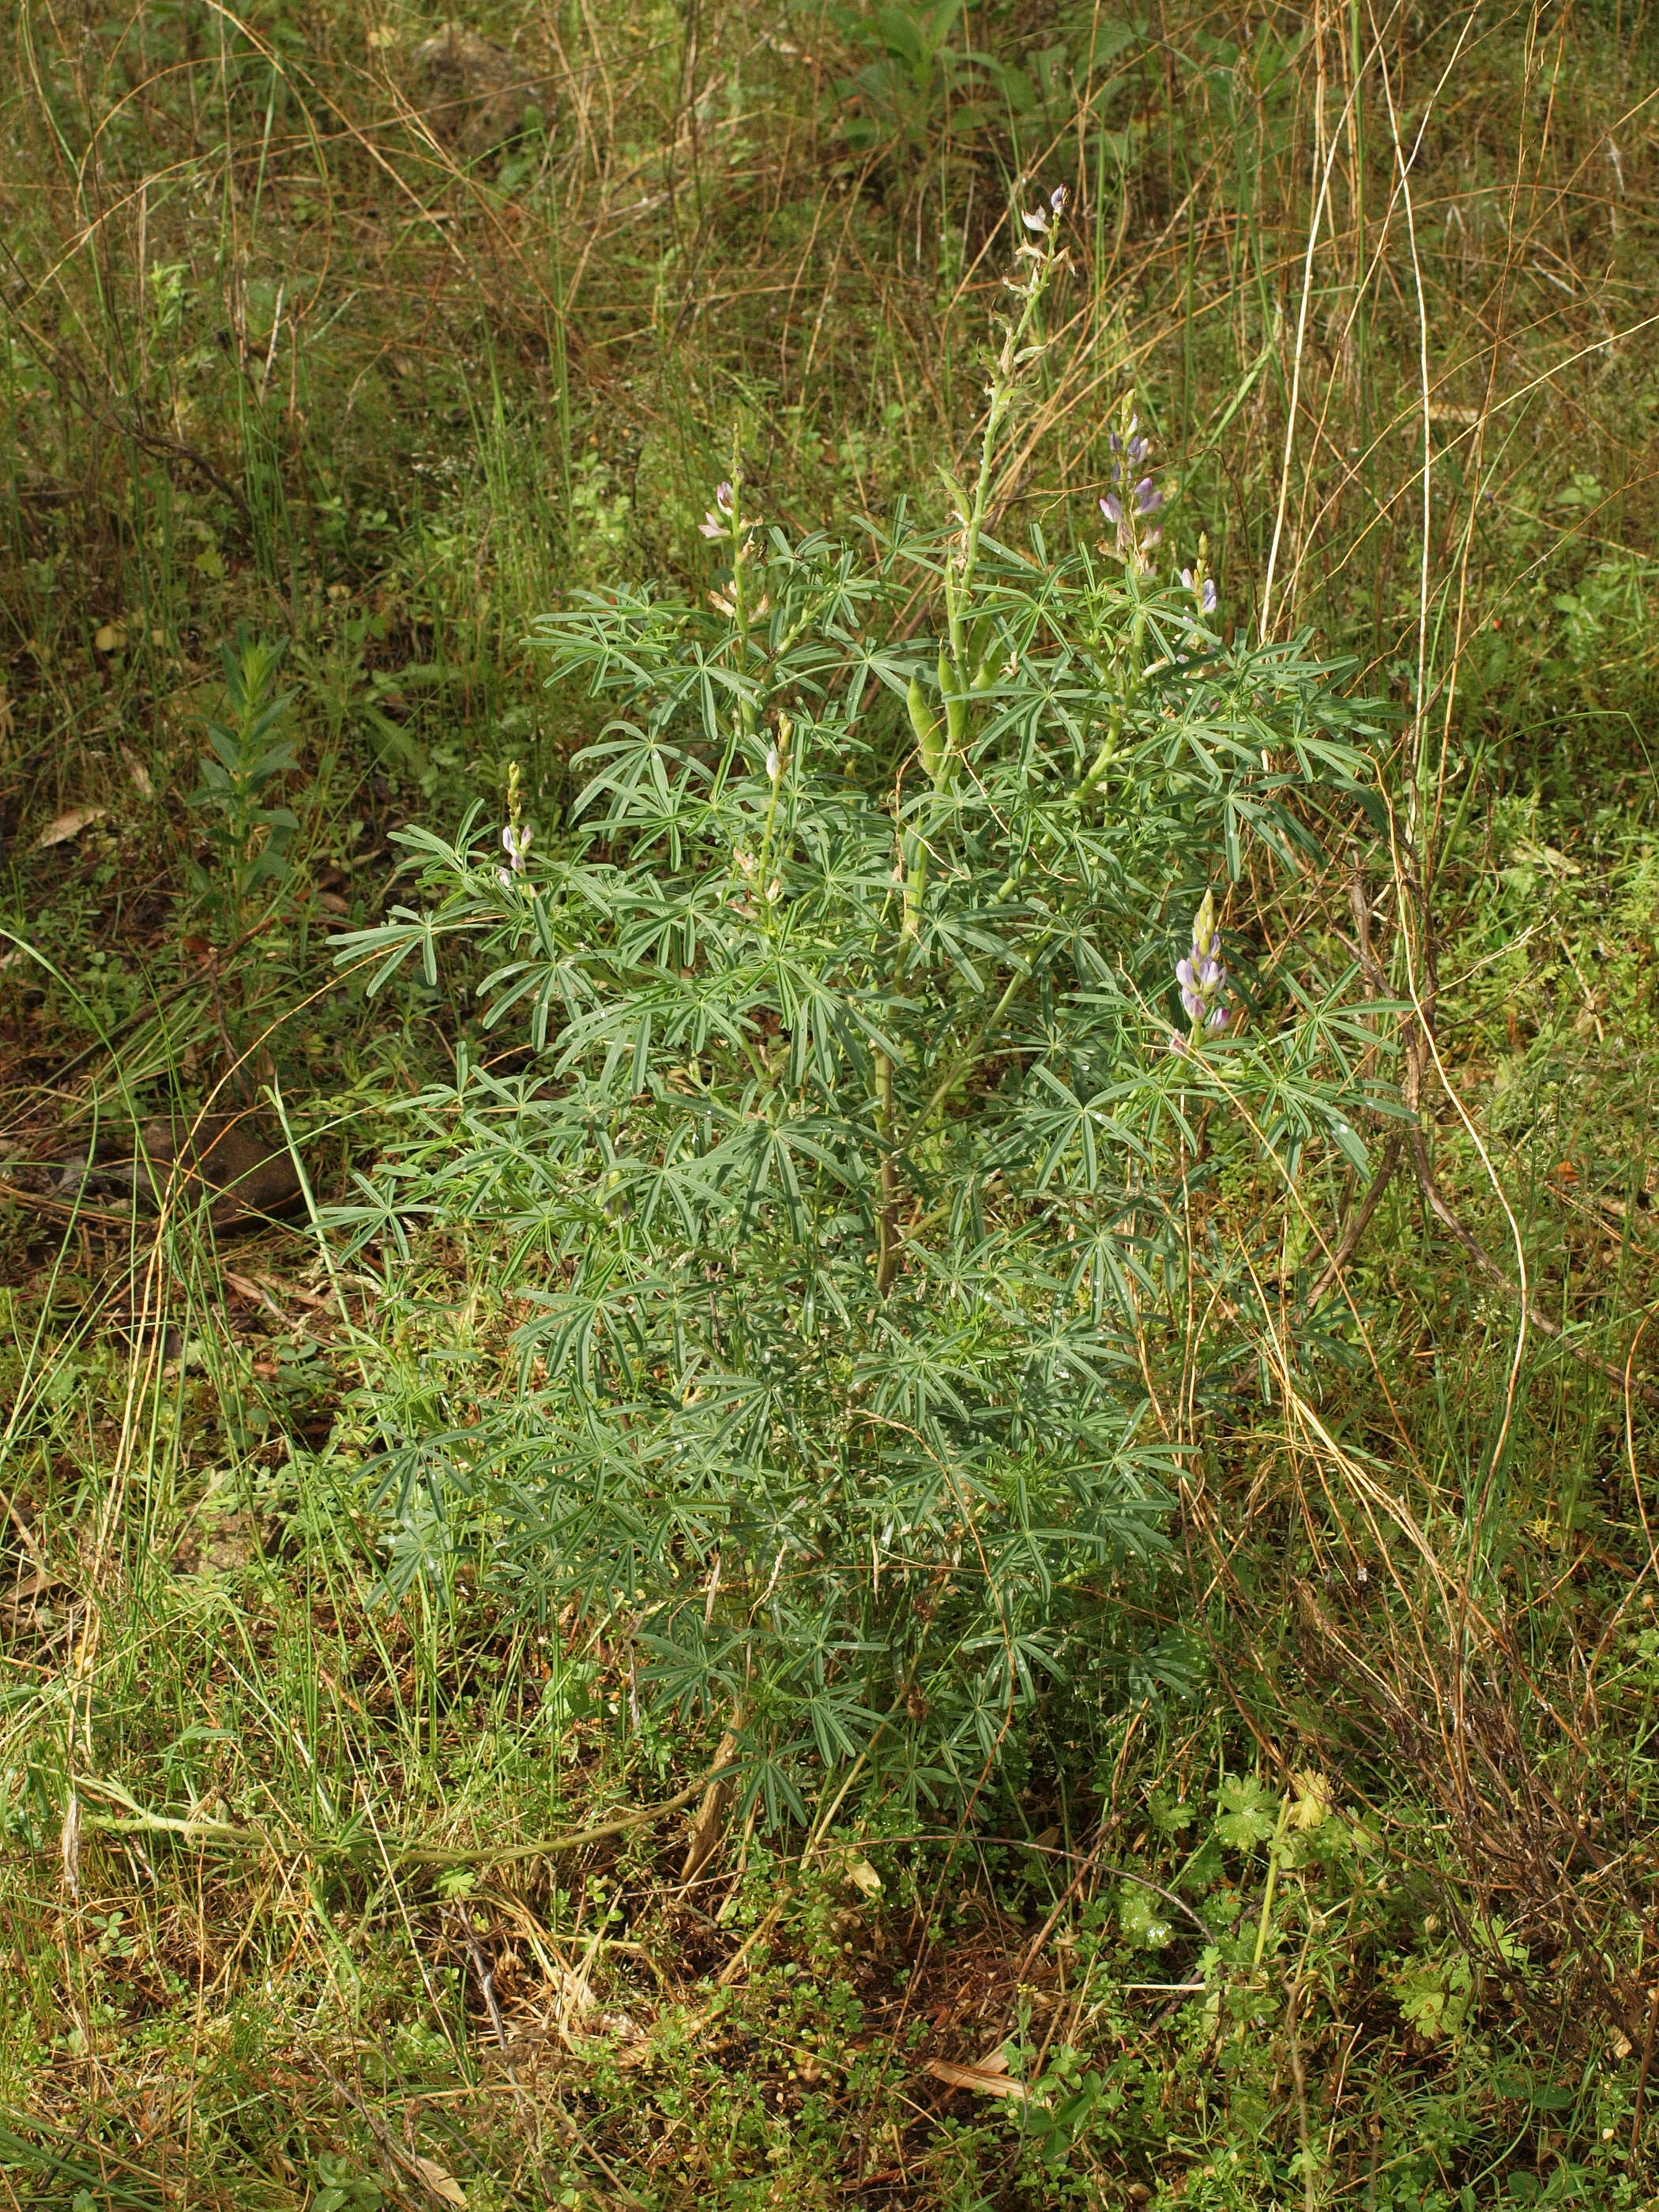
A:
x,y
719,520
515,843
1199,582
1042,219
1128,504
1201,975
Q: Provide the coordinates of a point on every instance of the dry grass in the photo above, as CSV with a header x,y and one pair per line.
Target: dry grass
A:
x,y
293,339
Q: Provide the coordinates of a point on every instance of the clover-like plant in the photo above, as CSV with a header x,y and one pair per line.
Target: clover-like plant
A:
x,y
825,1257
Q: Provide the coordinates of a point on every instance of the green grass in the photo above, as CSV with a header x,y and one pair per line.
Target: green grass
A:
x,y
279,350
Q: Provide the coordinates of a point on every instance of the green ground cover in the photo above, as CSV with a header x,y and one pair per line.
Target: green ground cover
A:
x,y
1154,1549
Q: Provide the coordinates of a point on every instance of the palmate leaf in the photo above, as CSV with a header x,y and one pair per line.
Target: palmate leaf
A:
x,y
826,1266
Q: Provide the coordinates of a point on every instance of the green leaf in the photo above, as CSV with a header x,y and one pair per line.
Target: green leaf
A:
x,y
1141,1918
1247,1815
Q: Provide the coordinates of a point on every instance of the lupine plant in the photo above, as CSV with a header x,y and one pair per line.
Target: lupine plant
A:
x,y
249,759
835,1234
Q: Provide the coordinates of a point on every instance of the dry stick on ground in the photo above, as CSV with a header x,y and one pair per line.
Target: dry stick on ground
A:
x,y
139,1820
415,2169
1359,1220
64,1209
709,1825
1299,2078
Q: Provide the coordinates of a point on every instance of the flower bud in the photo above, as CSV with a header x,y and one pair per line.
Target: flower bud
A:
x,y
1202,975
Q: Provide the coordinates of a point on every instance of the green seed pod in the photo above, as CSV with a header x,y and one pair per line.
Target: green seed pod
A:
x,y
923,722
956,705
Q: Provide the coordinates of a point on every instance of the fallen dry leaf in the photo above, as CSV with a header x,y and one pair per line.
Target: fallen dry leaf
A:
x,y
27,1591
442,2184
68,824
988,2079
862,1874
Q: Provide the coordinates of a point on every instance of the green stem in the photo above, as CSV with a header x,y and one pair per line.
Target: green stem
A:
x,y
1273,1878
959,577
1107,752
740,588
764,870
965,1060
887,1235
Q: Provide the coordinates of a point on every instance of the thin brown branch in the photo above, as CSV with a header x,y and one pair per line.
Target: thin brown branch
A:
x,y
1436,1199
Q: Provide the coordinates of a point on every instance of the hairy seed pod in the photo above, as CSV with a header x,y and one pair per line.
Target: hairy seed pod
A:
x,y
926,725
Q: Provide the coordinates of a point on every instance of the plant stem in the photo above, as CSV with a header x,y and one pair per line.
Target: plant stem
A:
x,y
887,1237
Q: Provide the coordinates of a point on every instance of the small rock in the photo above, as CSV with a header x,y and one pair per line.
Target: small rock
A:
x,y
476,93
228,1154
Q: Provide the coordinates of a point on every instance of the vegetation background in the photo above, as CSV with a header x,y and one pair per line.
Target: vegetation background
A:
x,y
374,336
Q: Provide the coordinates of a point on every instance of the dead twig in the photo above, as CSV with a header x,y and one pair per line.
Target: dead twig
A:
x,y
1439,1205
137,1819
1359,1221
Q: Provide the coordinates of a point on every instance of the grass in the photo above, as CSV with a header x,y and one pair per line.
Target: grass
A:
x,y
294,341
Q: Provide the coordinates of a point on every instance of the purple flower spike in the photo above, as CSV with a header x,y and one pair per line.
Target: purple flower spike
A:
x,y
1202,976
1201,586
1132,502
